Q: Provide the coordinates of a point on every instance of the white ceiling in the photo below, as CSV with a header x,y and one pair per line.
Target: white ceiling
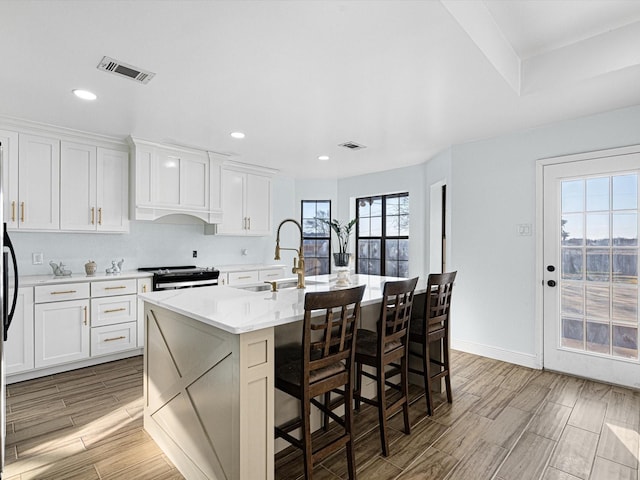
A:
x,y
405,78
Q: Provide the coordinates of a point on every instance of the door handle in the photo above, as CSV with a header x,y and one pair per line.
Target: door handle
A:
x,y
551,283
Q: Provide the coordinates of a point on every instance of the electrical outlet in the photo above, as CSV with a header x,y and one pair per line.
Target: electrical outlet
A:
x,y
37,258
195,254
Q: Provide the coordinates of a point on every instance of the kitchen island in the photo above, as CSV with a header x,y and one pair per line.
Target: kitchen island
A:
x,y
208,372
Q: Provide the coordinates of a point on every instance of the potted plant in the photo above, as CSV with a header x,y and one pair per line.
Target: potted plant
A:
x,y
343,232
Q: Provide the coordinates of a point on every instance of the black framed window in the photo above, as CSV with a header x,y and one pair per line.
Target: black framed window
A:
x,y
316,236
382,235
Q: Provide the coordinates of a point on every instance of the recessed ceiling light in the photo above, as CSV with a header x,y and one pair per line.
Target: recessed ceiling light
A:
x,y
84,94
323,157
237,134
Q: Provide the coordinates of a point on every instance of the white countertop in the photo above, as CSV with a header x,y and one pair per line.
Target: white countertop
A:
x,y
33,280
237,311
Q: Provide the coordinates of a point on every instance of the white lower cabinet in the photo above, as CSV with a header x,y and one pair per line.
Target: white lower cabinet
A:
x,y
113,338
110,310
61,332
114,306
18,349
56,325
243,278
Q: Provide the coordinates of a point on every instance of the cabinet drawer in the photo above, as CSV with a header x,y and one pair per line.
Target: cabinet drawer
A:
x,y
238,278
110,310
64,291
113,338
108,288
271,274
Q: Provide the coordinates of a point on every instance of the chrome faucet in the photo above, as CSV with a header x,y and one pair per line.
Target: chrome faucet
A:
x,y
298,264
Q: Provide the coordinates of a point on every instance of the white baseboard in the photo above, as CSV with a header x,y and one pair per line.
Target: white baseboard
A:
x,y
518,358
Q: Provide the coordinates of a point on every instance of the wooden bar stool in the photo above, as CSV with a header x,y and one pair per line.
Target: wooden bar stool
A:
x,y
388,347
323,364
433,326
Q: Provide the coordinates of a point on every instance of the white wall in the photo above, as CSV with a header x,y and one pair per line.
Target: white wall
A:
x,y
153,243
410,179
493,190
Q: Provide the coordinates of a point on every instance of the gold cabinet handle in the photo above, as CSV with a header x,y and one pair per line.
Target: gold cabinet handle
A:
x,y
93,215
85,315
114,338
13,211
63,292
244,277
115,310
144,289
100,216
22,212
115,288
249,220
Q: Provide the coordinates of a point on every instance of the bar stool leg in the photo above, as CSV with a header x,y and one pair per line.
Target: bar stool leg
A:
x,y
447,377
306,425
325,415
358,389
405,393
348,417
426,365
382,406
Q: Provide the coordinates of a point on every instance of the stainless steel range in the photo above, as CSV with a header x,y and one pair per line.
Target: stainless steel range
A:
x,y
167,278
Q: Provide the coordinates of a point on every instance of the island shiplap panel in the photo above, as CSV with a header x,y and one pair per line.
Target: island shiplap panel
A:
x,y
209,396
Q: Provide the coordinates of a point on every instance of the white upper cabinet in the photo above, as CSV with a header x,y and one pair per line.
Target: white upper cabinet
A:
x,y
93,188
246,201
112,190
174,180
37,204
78,186
9,141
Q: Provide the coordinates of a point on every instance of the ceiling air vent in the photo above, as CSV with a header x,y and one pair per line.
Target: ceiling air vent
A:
x,y
352,145
116,67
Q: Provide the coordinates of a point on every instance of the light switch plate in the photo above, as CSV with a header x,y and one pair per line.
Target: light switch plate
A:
x,y
523,229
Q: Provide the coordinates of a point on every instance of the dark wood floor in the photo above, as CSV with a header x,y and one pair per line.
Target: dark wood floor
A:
x,y
506,423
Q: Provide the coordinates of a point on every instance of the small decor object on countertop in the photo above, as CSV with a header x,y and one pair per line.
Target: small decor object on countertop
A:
x,y
59,270
116,267
90,268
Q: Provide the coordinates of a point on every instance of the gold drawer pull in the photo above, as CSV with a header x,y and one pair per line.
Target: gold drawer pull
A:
x,y
63,292
242,278
273,275
22,212
115,310
115,288
100,216
114,338
144,288
93,215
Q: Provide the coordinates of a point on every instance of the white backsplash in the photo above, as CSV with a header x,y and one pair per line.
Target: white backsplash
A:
x,y
147,244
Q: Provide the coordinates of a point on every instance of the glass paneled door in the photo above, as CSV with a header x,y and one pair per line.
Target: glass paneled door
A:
x,y
591,268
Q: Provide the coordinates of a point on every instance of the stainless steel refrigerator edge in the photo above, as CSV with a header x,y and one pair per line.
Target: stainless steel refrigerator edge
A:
x,y
7,314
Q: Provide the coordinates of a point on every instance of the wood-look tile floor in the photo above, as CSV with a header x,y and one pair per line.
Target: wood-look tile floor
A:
x,y
506,423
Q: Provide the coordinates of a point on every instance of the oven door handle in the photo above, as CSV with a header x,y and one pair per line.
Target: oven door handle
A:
x,y
168,285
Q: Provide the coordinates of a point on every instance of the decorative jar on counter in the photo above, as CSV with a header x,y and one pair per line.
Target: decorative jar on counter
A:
x,y
90,267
